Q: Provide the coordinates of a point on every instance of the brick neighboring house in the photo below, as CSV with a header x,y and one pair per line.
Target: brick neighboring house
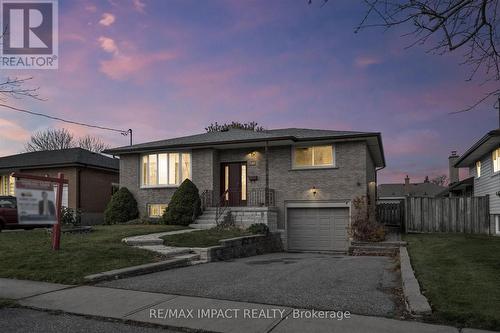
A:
x,y
306,194
91,177
483,162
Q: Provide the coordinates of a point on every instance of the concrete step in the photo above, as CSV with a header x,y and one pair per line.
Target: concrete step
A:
x,y
198,221
167,251
202,226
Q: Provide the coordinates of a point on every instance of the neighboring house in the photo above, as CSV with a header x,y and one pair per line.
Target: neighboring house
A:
x,y
90,177
457,187
388,193
299,181
483,161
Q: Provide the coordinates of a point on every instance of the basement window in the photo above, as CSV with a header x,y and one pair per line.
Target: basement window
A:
x,y
156,210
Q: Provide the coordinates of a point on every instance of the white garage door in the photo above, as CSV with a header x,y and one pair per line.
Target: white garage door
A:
x,y
317,229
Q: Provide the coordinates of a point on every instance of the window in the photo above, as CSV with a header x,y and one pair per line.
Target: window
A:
x,y
311,157
497,224
156,210
496,160
478,169
165,169
7,185
243,182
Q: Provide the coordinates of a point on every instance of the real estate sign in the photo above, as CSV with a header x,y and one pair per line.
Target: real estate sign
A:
x,y
35,202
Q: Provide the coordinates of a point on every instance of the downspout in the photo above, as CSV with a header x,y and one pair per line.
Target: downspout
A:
x,y
266,190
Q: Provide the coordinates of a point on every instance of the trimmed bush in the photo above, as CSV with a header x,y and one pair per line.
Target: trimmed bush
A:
x,y
258,228
121,208
185,205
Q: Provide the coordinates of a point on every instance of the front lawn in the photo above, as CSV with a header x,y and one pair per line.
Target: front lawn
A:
x,y
203,238
28,254
460,275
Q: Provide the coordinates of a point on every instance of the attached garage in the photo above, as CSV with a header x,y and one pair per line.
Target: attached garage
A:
x,y
317,228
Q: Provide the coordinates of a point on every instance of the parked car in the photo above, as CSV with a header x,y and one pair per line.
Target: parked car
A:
x,y
8,215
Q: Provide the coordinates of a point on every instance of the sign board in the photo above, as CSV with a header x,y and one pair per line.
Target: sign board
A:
x,y
36,201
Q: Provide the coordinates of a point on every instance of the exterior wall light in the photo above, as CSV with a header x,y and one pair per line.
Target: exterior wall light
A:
x,y
314,190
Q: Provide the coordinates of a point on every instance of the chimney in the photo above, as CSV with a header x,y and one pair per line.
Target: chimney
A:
x,y
407,185
453,172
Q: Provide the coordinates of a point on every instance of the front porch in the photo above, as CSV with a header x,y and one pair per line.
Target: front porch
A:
x,y
255,197
259,206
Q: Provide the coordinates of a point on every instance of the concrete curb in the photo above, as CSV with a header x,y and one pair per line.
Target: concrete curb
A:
x,y
415,302
179,261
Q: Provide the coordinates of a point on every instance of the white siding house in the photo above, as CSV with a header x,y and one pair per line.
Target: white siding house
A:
x,y
483,161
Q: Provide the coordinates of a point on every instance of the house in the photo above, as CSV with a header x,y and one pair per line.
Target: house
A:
x,y
90,177
483,161
300,182
389,193
457,187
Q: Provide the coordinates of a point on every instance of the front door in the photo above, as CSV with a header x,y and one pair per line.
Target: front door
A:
x,y
234,183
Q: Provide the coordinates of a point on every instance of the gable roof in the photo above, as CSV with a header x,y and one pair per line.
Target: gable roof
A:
x,y
235,136
415,190
58,158
485,145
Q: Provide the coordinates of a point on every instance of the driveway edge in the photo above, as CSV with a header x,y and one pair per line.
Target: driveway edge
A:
x,y
415,302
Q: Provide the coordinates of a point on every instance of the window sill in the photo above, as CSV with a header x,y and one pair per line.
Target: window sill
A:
x,y
159,186
313,168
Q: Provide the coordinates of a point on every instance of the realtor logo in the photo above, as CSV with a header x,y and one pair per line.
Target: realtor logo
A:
x,y
29,34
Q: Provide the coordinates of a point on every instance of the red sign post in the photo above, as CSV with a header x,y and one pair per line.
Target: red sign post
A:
x,y
60,181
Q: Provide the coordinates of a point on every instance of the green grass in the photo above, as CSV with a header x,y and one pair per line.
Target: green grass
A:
x,y
460,275
204,238
28,254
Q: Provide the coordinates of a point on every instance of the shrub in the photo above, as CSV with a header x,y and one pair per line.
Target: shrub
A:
x,y
121,208
71,216
185,205
364,224
258,228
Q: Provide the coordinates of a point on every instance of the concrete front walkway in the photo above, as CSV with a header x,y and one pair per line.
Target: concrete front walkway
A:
x,y
192,312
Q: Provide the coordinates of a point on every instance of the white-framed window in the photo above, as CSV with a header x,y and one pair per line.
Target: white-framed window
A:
x,y
304,157
7,185
156,210
165,169
497,224
496,160
478,169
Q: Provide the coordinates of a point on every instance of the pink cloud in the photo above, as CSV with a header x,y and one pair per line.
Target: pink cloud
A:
x,y
139,5
107,19
108,44
123,66
365,61
11,131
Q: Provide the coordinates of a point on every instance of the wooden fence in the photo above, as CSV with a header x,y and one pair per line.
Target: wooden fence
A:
x,y
391,214
456,214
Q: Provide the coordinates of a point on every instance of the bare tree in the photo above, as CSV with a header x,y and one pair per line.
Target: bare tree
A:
x,y
15,88
54,139
250,126
50,139
468,25
440,180
92,143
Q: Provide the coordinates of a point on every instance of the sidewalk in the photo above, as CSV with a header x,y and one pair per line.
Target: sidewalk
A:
x,y
192,312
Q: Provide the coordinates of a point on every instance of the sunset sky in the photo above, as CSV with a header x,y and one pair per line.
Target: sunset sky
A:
x,y
169,68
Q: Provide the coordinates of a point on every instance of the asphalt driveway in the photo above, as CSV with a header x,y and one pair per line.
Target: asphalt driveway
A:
x,y
362,285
